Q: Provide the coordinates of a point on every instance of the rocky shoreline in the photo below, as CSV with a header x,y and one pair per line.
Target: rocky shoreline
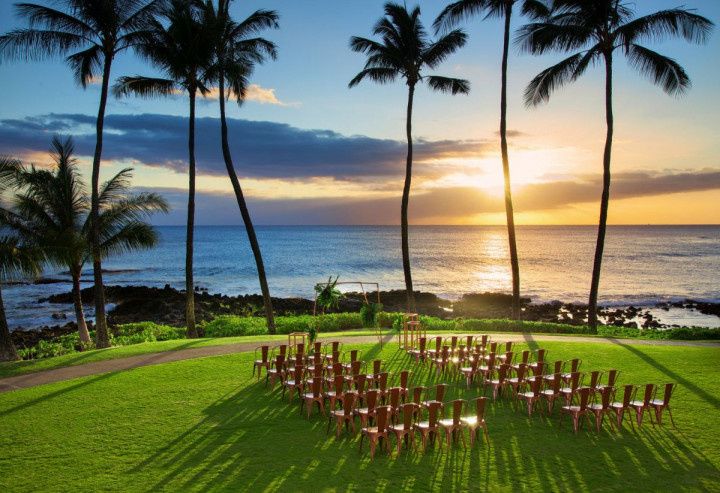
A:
x,y
167,306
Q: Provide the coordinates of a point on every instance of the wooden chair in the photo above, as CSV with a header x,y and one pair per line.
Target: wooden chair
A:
x,y
434,347
452,342
579,410
377,432
440,390
429,427
403,430
595,377
316,347
313,397
392,399
611,379
277,372
381,380
368,412
497,383
332,347
659,405
486,370
532,394
476,422
491,349
552,393
640,406
336,392
441,360
451,426
345,415
376,369
359,383
600,407
295,382
524,360
404,381
514,383
470,372
280,349
351,356
509,345
419,353
555,369
417,393
469,341
263,362
619,407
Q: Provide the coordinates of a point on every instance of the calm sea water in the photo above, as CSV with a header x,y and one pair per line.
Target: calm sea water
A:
x,y
642,265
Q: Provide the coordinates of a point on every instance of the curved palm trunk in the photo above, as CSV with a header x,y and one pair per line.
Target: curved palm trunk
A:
x,y
404,207
514,263
77,303
605,200
7,348
189,281
101,333
244,212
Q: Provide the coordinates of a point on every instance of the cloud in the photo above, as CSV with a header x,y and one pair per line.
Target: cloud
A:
x,y
257,94
436,205
260,149
511,133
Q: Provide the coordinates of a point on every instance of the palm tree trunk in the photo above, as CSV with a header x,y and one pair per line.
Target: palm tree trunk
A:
x,y
77,303
7,348
244,212
189,282
514,263
404,206
604,201
101,333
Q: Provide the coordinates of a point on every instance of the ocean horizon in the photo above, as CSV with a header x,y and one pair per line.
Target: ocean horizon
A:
x,y
643,265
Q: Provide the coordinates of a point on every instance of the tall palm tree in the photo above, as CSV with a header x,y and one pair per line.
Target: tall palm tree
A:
x,y
599,30
181,48
238,48
405,50
52,214
90,33
16,259
450,16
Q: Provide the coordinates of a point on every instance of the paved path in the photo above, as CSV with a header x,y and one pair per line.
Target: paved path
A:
x,y
98,367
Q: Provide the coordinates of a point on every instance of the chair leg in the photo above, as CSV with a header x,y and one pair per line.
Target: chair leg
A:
x,y
671,416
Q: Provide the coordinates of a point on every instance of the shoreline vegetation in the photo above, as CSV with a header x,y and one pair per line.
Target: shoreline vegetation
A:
x,y
145,314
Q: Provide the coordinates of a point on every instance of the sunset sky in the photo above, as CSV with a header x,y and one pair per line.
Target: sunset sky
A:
x,y
311,151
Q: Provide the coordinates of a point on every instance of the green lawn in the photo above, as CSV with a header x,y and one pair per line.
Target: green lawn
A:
x,y
205,424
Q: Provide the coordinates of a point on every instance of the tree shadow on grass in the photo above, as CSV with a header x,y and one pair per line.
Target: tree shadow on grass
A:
x,y
252,439
698,391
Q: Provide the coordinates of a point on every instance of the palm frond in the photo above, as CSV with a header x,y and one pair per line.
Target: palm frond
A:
x,y
457,12
17,260
672,23
144,87
86,64
541,37
53,20
34,44
445,46
553,78
663,71
377,74
448,84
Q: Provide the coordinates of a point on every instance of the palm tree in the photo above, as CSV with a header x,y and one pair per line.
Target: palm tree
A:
x,y
405,50
89,33
182,50
52,214
448,18
238,48
16,260
599,30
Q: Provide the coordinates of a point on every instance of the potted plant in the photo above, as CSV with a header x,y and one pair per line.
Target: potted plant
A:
x,y
369,313
328,296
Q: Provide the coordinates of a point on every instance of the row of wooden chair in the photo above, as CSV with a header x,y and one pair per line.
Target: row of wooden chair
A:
x,y
266,354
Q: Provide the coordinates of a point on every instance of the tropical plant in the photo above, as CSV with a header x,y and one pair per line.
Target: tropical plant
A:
x,y
600,29
238,48
369,314
52,213
182,49
90,33
405,50
327,295
16,259
448,18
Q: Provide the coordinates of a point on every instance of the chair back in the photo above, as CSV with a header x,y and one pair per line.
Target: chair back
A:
x,y
382,415
584,397
594,378
317,347
376,366
360,381
433,412
279,362
335,346
669,388
316,387
337,369
508,357
335,357
422,344
483,341
371,398
417,394
540,356
502,372
457,409
628,392
338,384
509,346
469,341
557,367
394,393
282,349
438,343
612,376
536,385
540,368
298,374
648,393
525,357
317,358
264,351
355,368
605,395
453,342
354,355
349,399
408,411
382,380
300,348
493,347
556,381
491,361
521,371
480,408
573,365
574,380
445,354
440,391
404,378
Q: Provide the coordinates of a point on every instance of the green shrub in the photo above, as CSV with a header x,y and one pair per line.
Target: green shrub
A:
x,y
137,333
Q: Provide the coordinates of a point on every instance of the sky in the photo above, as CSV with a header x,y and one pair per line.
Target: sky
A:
x,y
309,150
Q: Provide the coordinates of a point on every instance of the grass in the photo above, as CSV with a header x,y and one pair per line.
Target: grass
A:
x,y
206,425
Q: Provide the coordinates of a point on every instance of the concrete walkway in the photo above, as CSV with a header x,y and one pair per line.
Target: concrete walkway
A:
x,y
98,367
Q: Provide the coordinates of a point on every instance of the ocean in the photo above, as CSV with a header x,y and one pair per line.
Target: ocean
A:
x,y
643,265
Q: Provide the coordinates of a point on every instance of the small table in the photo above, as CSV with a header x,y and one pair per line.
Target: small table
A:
x,y
412,331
